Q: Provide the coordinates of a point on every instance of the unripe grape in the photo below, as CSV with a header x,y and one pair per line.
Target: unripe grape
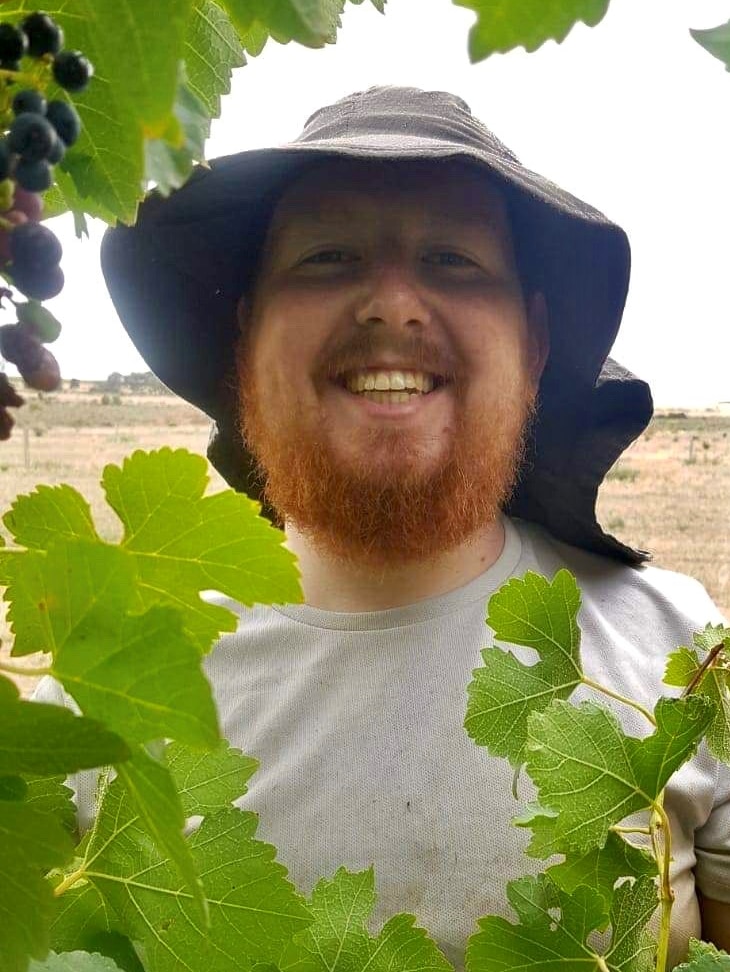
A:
x,y
72,70
46,376
44,35
39,321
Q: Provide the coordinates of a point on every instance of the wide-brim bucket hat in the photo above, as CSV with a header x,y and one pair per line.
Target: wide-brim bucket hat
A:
x,y
176,276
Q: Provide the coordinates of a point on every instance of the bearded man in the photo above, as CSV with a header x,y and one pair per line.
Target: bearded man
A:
x,y
402,336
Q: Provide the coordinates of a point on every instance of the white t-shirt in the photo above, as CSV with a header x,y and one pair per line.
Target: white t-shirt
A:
x,y
357,721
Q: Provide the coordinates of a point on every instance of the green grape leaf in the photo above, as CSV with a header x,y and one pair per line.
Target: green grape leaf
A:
x,y
50,794
538,614
684,668
503,25
13,788
378,4
593,775
704,957
310,22
83,920
169,163
554,928
209,782
226,545
154,797
48,513
47,739
254,910
716,41
339,940
212,51
63,197
31,842
74,962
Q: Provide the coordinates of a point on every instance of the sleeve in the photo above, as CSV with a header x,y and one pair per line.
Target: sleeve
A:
x,y
712,843
84,782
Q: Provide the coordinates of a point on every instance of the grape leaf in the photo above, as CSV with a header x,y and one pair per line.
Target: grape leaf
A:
x,y
13,788
63,196
225,546
310,22
378,4
339,941
47,739
74,962
138,673
554,927
254,910
594,775
50,794
505,24
212,51
84,921
31,842
168,163
599,868
704,957
538,614
684,668
153,795
47,514
209,782
716,41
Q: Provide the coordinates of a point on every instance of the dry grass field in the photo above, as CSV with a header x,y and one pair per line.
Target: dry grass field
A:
x,y
670,493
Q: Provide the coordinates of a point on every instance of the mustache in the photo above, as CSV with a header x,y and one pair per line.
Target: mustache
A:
x,y
361,348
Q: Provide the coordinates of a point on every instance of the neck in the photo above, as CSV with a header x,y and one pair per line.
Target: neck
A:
x,y
332,585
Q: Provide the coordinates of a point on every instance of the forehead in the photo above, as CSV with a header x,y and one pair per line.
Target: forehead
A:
x,y
345,192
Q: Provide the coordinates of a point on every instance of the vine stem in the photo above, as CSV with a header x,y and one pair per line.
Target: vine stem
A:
x,y
619,698
69,881
631,830
21,670
708,663
661,838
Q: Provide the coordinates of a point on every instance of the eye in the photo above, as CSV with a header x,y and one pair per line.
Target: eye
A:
x,y
329,256
448,258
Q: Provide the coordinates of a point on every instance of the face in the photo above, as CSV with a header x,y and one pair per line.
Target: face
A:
x,y
401,278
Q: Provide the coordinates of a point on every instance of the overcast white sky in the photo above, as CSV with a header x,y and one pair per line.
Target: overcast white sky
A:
x,y
631,116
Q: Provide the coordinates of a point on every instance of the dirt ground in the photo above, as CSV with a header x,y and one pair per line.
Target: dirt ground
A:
x,y
670,493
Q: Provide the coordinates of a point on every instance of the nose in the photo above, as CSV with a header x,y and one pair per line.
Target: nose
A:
x,y
392,295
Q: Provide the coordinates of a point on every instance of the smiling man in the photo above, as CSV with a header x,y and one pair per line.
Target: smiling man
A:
x,y
402,335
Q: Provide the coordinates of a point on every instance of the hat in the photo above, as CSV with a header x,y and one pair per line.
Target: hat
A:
x,y
175,278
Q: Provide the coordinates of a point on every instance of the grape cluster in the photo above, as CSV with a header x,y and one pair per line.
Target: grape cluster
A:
x,y
34,136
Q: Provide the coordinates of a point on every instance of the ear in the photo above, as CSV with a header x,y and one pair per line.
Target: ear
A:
x,y
539,335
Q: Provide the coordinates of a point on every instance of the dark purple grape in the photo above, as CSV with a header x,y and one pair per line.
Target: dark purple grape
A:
x,y
44,35
34,245
13,43
34,176
38,283
8,65
29,100
46,376
20,347
15,218
4,159
57,152
31,136
72,70
6,424
65,120
8,394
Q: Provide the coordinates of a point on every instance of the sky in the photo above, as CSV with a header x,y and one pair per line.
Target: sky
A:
x,y
631,116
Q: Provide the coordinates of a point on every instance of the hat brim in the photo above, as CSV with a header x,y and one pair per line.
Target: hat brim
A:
x,y
176,276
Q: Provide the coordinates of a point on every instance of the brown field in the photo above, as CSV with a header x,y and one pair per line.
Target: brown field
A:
x,y
670,493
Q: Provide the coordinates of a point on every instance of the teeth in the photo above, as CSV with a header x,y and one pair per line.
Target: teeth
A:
x,y
393,381
387,398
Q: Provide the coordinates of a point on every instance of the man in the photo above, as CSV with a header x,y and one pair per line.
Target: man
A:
x,y
402,335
